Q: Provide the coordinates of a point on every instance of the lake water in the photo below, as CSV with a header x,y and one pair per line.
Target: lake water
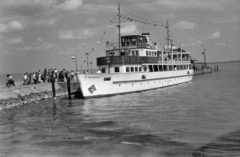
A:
x,y
200,118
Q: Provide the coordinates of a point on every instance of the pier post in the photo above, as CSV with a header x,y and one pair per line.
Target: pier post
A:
x,y
53,88
69,87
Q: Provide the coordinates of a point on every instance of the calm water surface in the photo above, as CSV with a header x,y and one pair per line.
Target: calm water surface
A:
x,y
200,118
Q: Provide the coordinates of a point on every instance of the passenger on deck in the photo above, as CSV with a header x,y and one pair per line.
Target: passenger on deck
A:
x,y
98,71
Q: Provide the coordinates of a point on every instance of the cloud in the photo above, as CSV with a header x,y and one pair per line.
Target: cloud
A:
x,y
214,35
194,42
81,34
185,25
37,47
15,40
129,28
70,5
168,16
220,44
91,21
217,5
12,25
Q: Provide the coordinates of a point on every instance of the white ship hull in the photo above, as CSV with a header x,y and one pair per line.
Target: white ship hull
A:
x,y
97,85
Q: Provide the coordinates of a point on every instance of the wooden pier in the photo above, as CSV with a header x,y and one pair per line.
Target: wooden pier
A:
x,y
202,68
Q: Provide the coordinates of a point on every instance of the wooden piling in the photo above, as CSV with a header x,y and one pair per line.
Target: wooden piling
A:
x,y
53,88
52,80
69,87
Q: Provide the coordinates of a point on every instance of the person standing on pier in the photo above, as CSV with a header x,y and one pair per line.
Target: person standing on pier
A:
x,y
25,79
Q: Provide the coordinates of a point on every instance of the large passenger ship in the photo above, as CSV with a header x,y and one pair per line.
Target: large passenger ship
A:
x,y
135,64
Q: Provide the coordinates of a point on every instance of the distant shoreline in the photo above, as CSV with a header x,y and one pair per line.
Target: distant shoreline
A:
x,y
225,61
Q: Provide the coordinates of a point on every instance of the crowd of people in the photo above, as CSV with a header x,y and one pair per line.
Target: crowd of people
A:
x,y
43,77
46,75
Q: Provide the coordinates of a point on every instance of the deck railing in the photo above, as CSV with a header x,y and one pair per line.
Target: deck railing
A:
x,y
124,46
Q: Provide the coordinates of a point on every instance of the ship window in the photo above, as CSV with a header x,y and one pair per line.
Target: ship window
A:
x,y
127,69
175,67
155,53
103,70
133,53
165,68
150,68
107,78
132,69
140,69
144,67
170,67
155,67
116,69
160,67
136,69
137,53
147,53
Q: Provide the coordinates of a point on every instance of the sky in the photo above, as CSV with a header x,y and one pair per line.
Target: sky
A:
x,y
38,34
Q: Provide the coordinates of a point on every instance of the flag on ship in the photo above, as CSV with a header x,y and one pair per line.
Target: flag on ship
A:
x,y
73,57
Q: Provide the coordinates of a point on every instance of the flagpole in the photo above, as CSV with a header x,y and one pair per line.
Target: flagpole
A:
x,y
76,62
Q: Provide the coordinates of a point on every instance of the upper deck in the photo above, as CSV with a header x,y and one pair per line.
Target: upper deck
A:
x,y
138,49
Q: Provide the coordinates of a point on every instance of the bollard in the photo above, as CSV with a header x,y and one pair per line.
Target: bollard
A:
x,y
53,88
69,87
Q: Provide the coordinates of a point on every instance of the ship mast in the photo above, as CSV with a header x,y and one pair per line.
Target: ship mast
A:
x,y
168,36
119,29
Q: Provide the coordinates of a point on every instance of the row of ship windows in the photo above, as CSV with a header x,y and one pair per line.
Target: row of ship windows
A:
x,y
151,53
148,53
155,68
151,68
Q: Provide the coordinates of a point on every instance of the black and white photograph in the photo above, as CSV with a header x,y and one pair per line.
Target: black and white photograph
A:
x,y
119,78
